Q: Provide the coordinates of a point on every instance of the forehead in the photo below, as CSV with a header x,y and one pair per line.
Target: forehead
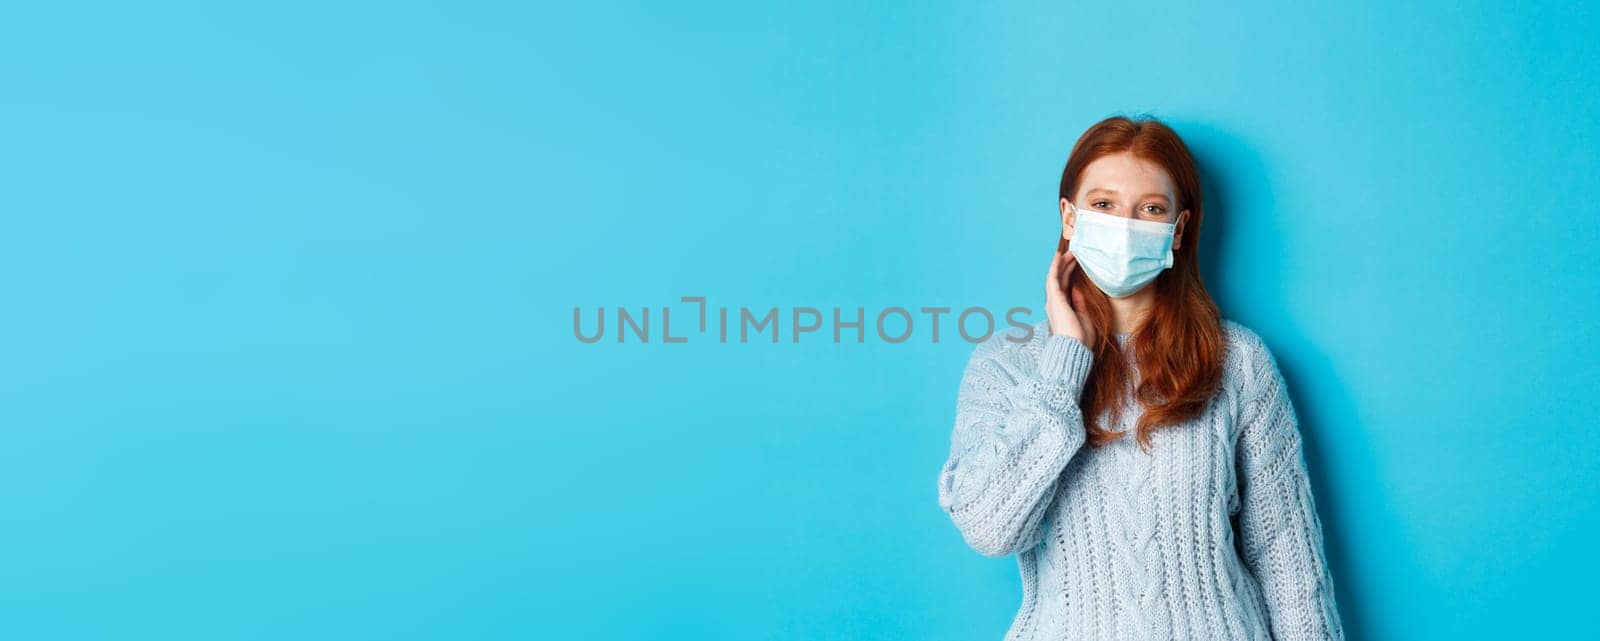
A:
x,y
1127,175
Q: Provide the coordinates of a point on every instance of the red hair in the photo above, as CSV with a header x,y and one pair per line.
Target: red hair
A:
x,y
1179,346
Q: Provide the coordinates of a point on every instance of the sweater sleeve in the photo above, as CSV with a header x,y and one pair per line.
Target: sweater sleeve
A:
x,y
1017,424
1280,532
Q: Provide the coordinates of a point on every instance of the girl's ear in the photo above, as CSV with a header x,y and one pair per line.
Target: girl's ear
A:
x,y
1177,234
1069,217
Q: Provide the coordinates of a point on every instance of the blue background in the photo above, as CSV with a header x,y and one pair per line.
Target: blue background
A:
x,y
288,298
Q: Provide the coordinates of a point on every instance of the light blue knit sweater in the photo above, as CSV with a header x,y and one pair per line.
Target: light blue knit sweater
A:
x,y
1211,535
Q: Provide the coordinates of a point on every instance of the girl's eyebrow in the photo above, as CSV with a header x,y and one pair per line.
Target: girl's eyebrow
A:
x,y
1113,191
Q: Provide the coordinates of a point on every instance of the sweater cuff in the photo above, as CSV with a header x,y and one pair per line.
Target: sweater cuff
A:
x,y
1065,359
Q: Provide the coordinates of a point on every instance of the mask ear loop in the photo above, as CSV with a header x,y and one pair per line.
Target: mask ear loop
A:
x,y
1172,256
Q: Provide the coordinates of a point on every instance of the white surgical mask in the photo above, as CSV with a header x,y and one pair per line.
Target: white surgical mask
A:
x,y
1120,254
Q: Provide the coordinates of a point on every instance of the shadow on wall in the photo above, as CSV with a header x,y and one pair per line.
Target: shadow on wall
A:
x,y
1230,168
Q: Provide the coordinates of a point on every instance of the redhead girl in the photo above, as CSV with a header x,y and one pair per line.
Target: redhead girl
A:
x,y
1137,452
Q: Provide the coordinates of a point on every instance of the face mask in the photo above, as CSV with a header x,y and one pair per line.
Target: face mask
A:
x,y
1120,254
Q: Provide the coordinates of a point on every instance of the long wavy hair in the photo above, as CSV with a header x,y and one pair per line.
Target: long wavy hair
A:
x,y
1179,346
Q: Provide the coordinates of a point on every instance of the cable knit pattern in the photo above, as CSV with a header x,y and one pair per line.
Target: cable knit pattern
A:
x,y
1213,534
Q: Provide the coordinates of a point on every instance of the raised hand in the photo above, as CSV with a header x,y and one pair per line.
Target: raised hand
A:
x,y
1062,308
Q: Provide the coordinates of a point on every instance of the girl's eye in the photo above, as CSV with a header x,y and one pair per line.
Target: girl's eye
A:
x,y
1101,203
1154,209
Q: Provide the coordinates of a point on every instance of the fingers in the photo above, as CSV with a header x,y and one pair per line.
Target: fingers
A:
x,y
1052,279
1068,263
